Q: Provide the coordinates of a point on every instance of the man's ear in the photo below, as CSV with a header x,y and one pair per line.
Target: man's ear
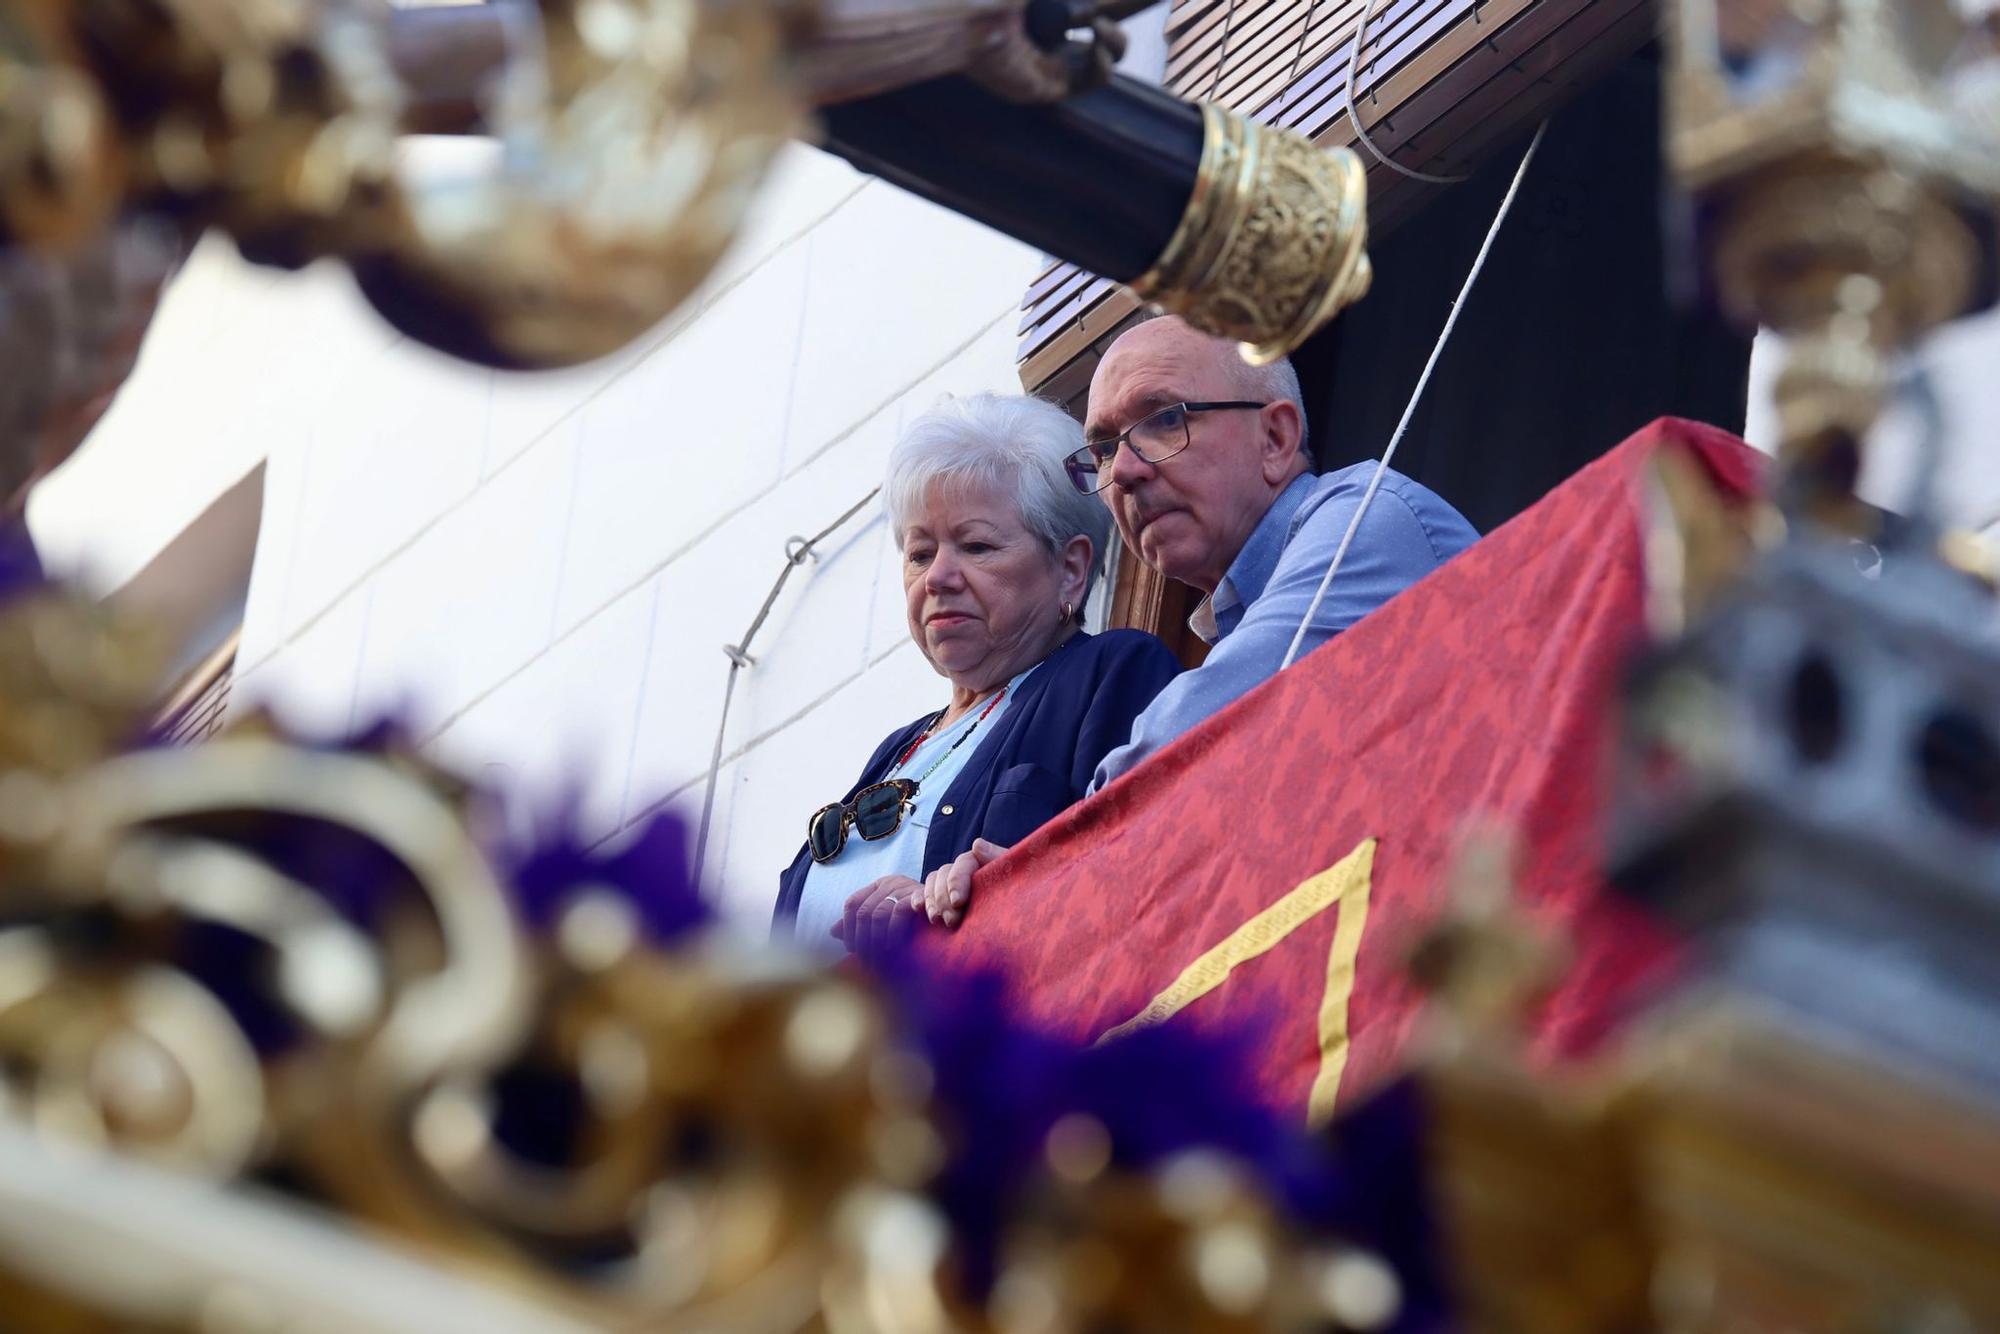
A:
x,y
1283,428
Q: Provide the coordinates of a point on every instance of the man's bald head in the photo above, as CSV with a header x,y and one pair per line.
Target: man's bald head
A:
x,y
1189,514
1276,381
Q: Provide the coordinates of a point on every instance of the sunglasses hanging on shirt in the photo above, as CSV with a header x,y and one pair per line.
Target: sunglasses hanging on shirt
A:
x,y
877,810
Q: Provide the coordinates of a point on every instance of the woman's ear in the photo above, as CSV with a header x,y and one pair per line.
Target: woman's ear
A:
x,y
1075,575
1283,429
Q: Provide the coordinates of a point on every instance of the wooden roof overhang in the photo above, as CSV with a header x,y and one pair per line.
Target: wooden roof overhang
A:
x,y
1441,84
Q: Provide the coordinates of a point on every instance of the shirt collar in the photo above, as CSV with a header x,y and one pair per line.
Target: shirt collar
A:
x,y
1244,583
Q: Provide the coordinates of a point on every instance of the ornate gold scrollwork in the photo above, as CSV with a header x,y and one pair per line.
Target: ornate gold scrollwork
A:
x,y
612,201
728,1107
632,134
1274,240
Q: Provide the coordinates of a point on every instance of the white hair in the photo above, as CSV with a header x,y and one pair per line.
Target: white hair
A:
x,y
1013,442
1276,381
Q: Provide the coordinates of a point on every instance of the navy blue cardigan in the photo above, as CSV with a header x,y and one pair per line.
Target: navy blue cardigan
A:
x,y
1073,711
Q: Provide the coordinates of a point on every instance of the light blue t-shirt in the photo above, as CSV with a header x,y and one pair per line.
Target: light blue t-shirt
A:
x,y
861,862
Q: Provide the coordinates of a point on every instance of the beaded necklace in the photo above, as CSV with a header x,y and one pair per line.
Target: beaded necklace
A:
x,y
925,735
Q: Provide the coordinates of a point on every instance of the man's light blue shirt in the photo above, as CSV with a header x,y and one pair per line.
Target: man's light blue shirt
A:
x,y
1251,617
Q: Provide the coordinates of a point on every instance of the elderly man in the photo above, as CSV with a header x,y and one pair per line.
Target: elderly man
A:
x,y
1203,462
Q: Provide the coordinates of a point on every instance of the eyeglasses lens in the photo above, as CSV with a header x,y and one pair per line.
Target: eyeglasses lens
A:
x,y
1082,470
825,833
1162,435
878,811
1154,439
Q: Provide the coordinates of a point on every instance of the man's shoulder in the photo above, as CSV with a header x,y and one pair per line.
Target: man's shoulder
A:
x,y
1354,478
1335,493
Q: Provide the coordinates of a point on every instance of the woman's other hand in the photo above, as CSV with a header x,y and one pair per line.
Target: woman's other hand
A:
x,y
879,916
948,890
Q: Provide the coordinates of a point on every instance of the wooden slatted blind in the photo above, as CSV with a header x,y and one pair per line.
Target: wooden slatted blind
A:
x,y
1440,83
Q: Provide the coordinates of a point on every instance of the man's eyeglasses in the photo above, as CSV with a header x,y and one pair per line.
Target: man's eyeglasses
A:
x,y
1155,438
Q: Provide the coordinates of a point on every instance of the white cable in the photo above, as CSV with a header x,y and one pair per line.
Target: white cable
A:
x,y
714,769
1354,112
1410,409
797,552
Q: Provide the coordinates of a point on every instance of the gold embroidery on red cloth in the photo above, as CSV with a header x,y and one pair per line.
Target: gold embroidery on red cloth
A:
x,y
1345,883
1341,958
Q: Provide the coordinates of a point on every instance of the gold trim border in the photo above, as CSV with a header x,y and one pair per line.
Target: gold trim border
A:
x,y
1346,883
1342,958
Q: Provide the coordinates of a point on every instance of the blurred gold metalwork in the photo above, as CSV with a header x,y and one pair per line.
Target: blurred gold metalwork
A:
x,y
626,154
75,680
1726,1169
59,162
1848,157
770,1082
632,134
1274,240
1080,1262
1725,1173
749,1146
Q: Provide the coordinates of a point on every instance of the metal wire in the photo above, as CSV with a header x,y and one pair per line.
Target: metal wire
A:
x,y
1222,55
797,552
1305,34
1354,112
1410,409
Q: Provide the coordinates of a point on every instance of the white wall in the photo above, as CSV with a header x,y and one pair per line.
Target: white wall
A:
x,y
232,355
541,571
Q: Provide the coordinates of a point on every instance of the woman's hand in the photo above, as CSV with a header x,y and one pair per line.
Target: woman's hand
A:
x,y
948,890
879,916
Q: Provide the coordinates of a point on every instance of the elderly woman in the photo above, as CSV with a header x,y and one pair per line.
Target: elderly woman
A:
x,y
999,551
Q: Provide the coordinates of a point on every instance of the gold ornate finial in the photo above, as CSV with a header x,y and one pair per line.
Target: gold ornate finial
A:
x,y
1847,167
1274,240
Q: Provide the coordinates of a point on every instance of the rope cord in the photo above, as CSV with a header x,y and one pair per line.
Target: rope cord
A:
x,y
1410,409
797,552
1354,113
